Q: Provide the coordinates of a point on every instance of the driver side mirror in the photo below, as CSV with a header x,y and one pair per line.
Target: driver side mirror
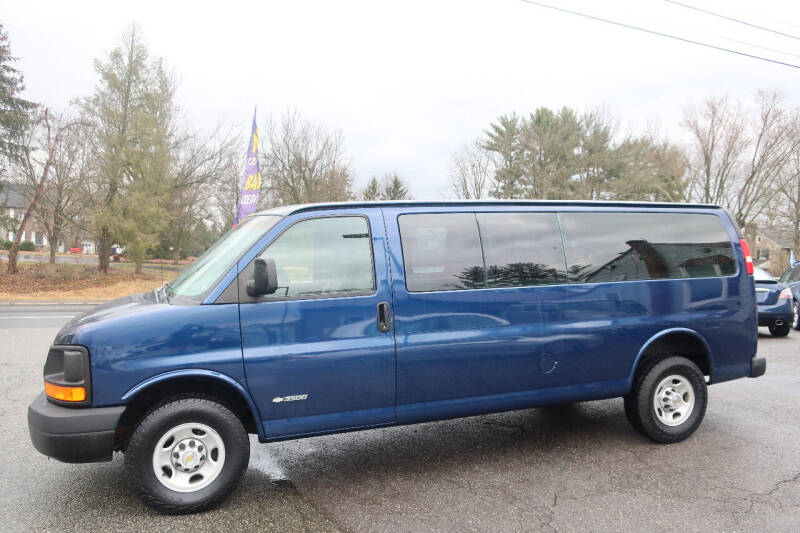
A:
x,y
265,277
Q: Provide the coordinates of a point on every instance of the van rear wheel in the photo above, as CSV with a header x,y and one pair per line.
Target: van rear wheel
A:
x,y
668,400
187,455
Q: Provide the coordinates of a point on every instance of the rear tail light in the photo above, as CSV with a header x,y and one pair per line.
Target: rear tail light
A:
x,y
748,259
785,293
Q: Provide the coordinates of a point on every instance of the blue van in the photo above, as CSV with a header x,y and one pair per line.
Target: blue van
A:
x,y
315,319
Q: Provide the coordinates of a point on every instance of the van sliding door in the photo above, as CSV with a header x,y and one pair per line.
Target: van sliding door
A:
x,y
475,297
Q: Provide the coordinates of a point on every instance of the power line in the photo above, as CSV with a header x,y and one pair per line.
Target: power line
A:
x,y
738,21
773,19
653,32
737,41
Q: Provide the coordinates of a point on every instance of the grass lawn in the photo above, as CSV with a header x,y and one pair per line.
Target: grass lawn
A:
x,y
43,281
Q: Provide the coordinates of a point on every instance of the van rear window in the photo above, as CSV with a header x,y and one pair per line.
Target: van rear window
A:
x,y
602,247
521,249
442,252
452,251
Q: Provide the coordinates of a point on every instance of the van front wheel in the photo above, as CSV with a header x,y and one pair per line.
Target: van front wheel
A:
x,y
187,455
668,401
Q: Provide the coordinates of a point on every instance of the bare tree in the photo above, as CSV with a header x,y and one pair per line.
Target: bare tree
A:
x,y
201,165
717,131
774,139
790,197
471,168
39,154
738,158
62,204
304,162
225,189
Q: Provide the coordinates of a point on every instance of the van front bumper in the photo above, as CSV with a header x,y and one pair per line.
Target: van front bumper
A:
x,y
758,366
73,434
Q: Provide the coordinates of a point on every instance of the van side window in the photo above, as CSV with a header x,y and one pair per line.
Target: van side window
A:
x,y
521,249
441,252
324,256
602,247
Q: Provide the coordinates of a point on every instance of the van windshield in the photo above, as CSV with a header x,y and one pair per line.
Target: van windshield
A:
x,y
215,262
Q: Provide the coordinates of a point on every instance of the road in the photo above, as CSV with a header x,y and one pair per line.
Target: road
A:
x,y
76,259
571,468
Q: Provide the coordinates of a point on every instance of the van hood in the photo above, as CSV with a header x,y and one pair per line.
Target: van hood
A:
x,y
127,306
137,337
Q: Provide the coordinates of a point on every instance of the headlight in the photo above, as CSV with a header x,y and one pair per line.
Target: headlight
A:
x,y
67,375
786,293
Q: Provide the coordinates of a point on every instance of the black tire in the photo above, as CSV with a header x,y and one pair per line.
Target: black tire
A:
x,y
796,315
630,413
640,408
780,331
631,405
140,449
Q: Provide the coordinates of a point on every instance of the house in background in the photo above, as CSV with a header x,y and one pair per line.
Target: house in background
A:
x,y
770,247
14,203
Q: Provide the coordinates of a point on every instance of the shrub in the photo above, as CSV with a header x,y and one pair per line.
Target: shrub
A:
x,y
5,245
26,246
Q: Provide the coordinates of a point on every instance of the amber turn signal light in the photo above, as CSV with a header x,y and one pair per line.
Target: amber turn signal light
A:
x,y
65,394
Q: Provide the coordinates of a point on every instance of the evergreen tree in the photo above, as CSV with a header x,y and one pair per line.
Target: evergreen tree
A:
x,y
14,111
504,138
372,191
394,188
134,112
563,155
551,142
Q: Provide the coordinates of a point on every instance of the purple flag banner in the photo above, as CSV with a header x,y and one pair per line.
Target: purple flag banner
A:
x,y
251,186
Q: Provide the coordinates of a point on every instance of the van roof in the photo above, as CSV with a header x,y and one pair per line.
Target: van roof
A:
x,y
291,209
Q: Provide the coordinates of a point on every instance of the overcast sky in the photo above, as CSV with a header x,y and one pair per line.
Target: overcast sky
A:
x,y
409,82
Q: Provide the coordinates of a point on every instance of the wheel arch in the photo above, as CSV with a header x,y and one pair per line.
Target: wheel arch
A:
x,y
144,395
676,341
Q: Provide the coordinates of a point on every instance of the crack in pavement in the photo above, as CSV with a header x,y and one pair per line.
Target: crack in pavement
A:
x,y
793,479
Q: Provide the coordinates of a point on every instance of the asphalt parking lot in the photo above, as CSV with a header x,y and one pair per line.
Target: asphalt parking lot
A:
x,y
569,468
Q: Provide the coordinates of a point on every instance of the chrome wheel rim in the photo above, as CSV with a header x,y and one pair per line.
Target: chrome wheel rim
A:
x,y
673,400
795,315
188,457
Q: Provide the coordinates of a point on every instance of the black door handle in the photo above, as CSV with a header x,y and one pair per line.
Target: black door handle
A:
x,y
384,318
